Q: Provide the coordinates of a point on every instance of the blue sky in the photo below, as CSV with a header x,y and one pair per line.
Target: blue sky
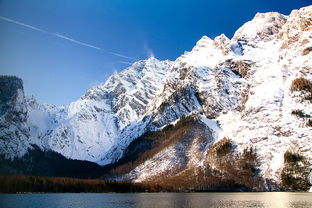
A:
x,y
60,48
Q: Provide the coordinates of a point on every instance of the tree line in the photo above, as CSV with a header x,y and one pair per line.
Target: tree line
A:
x,y
37,184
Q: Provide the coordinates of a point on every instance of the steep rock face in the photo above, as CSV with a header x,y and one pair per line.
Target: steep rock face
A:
x,y
14,129
199,81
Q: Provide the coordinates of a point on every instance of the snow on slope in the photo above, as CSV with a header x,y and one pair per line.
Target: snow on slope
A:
x,y
266,122
254,110
94,122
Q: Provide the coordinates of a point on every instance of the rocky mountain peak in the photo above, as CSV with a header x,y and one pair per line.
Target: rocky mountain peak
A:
x,y
203,42
14,131
263,27
301,19
11,96
11,91
223,43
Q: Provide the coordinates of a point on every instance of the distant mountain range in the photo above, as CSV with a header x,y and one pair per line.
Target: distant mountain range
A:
x,y
228,115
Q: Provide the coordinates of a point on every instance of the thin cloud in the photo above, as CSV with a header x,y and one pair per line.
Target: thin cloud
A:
x,y
63,37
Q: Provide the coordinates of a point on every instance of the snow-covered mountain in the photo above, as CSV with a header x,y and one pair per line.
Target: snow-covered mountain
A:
x,y
87,128
254,90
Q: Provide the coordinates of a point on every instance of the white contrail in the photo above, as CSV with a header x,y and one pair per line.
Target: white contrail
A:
x,y
125,62
77,41
23,24
64,37
120,55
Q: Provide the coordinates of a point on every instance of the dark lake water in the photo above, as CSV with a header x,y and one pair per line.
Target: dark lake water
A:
x,y
157,200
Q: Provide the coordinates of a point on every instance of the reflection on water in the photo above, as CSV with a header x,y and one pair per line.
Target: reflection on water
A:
x,y
159,200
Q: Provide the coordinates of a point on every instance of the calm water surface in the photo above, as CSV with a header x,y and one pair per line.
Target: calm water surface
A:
x,y
157,200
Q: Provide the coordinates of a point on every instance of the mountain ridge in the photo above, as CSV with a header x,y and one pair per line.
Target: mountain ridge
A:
x,y
241,89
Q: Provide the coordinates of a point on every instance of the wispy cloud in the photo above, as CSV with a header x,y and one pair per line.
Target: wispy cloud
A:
x,y
64,37
149,51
